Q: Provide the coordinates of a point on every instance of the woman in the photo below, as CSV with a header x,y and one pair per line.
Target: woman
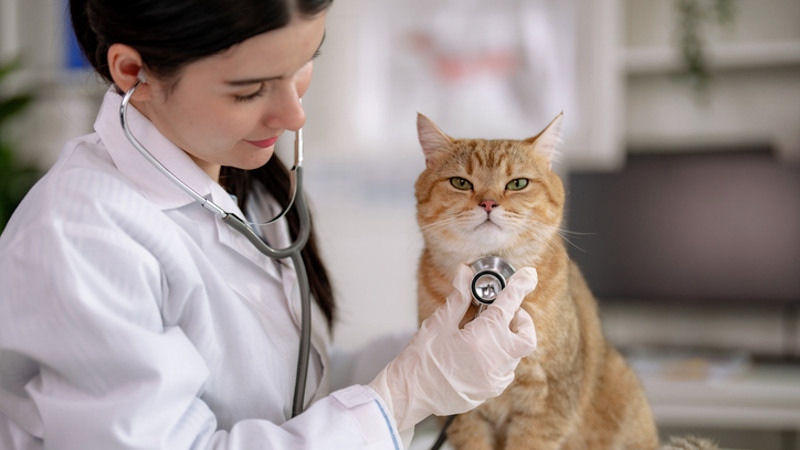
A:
x,y
132,318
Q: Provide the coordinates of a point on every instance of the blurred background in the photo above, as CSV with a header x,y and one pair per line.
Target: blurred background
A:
x,y
682,142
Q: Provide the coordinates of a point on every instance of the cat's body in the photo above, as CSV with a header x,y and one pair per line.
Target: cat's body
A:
x,y
575,391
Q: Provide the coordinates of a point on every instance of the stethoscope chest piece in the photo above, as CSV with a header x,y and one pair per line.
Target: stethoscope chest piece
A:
x,y
491,274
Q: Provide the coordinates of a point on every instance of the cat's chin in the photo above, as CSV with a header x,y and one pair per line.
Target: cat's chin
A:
x,y
487,238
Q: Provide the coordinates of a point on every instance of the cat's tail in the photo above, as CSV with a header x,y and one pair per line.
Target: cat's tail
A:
x,y
689,443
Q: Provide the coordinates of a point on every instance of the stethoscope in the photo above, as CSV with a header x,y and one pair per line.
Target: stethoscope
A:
x,y
243,227
491,272
491,276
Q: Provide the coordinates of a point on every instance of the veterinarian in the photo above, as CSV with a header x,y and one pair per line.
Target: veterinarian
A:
x,y
132,318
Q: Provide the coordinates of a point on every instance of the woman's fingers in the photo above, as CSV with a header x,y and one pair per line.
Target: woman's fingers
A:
x,y
522,283
524,334
459,300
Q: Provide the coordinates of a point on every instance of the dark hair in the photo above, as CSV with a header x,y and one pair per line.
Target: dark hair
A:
x,y
169,34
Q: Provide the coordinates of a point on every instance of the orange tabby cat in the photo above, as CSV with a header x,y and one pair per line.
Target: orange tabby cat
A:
x,y
499,197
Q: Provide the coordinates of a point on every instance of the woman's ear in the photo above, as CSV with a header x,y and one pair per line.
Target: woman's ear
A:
x,y
125,66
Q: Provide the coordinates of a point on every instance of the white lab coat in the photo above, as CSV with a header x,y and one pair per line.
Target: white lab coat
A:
x,y
131,318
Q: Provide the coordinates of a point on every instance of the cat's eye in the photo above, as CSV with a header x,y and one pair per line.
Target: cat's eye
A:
x,y
515,185
460,183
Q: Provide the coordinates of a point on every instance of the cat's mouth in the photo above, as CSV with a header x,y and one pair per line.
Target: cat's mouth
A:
x,y
488,236
488,223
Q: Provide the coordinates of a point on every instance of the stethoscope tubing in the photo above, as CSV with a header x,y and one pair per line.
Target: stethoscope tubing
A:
x,y
293,251
123,113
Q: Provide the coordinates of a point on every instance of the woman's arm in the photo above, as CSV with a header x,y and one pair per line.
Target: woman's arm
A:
x,y
86,361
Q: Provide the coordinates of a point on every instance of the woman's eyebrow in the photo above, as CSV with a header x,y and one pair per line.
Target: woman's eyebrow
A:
x,y
249,81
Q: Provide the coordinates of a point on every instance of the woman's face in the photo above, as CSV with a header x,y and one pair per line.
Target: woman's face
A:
x,y
228,109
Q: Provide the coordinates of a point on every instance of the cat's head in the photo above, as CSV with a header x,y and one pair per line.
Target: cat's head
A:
x,y
488,197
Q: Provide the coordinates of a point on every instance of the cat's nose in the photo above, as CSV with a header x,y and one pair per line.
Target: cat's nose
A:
x,y
488,205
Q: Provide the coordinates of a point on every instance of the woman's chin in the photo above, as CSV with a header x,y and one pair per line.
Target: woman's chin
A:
x,y
248,157
253,163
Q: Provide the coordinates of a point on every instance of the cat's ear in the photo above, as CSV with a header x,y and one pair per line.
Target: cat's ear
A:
x,y
432,140
546,142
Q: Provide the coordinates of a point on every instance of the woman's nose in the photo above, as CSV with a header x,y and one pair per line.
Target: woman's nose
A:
x,y
286,111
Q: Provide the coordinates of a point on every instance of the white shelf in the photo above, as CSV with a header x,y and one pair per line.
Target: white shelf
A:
x,y
766,398
657,60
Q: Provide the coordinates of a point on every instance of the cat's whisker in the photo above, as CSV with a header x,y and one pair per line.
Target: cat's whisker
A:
x,y
436,227
569,242
447,220
538,227
429,215
439,230
575,233
543,233
445,213
435,233
439,224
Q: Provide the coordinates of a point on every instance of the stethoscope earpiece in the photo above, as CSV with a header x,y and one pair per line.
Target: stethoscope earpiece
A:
x,y
142,75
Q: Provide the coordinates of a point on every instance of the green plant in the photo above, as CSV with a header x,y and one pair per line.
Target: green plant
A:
x,y
15,177
693,17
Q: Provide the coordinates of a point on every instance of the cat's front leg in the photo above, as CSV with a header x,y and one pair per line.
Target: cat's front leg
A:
x,y
471,431
547,432
541,419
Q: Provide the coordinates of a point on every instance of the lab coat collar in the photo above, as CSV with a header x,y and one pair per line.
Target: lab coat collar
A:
x,y
157,188
277,235
154,185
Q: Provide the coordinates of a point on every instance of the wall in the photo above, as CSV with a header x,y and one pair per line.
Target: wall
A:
x,y
754,96
66,100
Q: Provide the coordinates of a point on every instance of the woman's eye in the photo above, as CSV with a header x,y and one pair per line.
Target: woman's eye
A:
x,y
517,184
460,183
253,96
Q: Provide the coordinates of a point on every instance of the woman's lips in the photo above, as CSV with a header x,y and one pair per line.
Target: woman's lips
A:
x,y
265,143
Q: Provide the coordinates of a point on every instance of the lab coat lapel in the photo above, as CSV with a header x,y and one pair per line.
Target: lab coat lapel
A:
x,y
264,207
278,235
319,328
233,239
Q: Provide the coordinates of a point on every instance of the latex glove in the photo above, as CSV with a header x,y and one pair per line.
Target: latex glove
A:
x,y
445,370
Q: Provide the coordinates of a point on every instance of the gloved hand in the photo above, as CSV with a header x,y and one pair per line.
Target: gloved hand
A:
x,y
445,370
